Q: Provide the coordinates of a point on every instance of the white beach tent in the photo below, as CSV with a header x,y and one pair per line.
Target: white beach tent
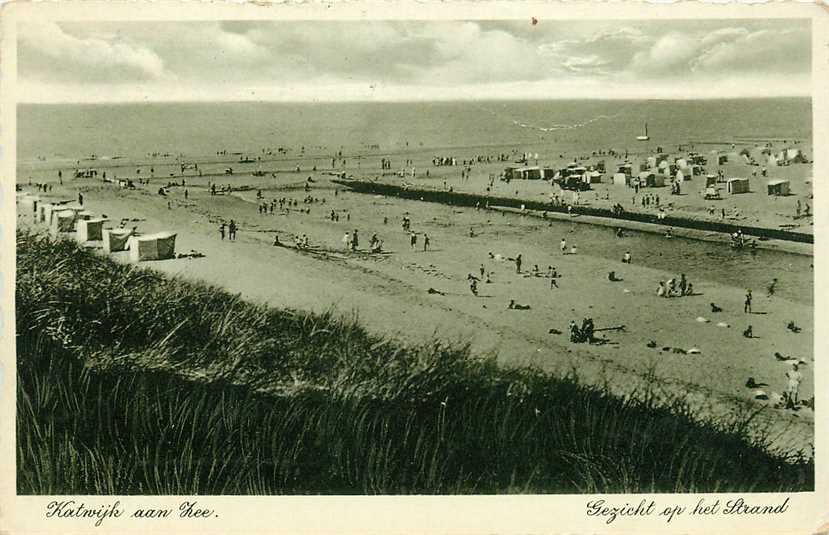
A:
x,y
158,246
62,221
90,230
595,177
115,239
620,179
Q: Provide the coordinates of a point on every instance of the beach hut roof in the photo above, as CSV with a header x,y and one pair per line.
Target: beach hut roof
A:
x,y
777,181
737,179
645,174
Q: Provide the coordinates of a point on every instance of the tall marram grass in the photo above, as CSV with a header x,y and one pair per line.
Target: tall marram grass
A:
x,y
133,383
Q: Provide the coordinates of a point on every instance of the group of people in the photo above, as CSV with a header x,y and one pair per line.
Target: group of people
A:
x,y
230,228
674,288
583,334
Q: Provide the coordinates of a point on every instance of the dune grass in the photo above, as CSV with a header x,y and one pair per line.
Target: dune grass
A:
x,y
133,383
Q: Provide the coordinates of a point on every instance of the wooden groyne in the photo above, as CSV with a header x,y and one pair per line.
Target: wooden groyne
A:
x,y
472,200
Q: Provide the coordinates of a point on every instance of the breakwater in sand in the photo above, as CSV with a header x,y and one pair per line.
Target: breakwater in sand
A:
x,y
472,200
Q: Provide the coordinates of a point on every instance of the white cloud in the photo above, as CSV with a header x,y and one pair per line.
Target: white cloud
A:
x,y
96,58
384,59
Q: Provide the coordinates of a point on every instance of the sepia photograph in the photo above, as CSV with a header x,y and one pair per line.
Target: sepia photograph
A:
x,y
512,256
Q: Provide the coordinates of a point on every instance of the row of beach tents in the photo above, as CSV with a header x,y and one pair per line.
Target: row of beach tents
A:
x,y
64,219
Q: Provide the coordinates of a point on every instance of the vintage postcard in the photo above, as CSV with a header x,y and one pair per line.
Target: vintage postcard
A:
x,y
413,268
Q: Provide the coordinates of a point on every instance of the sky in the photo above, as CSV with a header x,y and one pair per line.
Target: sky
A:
x,y
411,60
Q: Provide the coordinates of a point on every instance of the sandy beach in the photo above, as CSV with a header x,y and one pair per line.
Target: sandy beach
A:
x,y
390,292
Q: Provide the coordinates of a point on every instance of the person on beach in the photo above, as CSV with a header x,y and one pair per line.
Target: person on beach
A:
x,y
749,332
473,286
563,246
413,239
347,241
575,333
795,378
771,287
426,241
355,240
482,270
231,230
661,291
80,198
222,230
626,258
619,233
518,264
747,302
683,284
573,249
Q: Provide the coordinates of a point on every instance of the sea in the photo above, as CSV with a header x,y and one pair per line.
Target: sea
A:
x,y
75,131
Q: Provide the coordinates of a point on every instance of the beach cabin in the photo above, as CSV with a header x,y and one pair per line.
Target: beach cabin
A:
x,y
646,178
710,180
626,168
523,173
45,213
158,246
90,230
548,173
28,204
778,187
737,185
594,177
600,167
115,239
722,159
620,179
62,221
651,162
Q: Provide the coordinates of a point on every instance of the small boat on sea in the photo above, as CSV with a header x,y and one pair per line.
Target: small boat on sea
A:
x,y
645,137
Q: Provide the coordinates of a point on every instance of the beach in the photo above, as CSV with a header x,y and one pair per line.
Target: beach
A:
x,y
415,296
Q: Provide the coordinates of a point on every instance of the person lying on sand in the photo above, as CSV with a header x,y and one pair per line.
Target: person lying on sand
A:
x,y
715,308
435,292
473,286
517,306
793,327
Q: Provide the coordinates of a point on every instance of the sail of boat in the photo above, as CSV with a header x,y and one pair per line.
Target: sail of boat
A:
x,y
645,137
